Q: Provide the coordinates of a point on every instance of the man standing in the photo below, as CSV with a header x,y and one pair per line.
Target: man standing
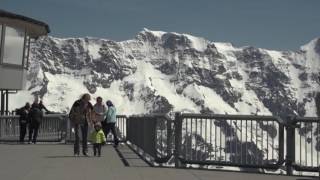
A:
x,y
23,120
111,118
36,117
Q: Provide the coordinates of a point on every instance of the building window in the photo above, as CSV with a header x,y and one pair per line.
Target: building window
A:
x,y
13,46
0,40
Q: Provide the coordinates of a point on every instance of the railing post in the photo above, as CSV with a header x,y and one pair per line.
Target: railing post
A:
x,y
282,144
169,137
177,138
127,130
290,157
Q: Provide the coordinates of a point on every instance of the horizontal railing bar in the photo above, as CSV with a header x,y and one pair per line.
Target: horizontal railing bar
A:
x,y
306,168
307,119
233,117
219,163
165,116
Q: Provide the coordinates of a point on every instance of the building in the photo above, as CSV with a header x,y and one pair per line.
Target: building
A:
x,y
16,31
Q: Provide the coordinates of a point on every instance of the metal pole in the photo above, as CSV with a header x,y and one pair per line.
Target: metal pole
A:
x,y
290,158
7,103
281,142
178,139
169,137
2,103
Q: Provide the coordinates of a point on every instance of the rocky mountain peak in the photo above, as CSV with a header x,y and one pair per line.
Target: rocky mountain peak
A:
x,y
166,71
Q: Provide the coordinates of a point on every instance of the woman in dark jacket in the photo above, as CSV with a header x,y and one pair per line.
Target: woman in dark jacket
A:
x,y
80,116
35,116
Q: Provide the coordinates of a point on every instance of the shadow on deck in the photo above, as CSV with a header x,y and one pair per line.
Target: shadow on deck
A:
x,y
49,161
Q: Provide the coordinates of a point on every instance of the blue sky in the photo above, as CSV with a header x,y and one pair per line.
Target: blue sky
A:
x,y
272,24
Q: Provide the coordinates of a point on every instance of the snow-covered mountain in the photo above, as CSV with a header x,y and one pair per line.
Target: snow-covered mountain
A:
x,y
164,71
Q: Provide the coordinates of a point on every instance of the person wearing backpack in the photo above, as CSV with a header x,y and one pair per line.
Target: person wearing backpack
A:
x,y
110,122
36,117
81,114
23,121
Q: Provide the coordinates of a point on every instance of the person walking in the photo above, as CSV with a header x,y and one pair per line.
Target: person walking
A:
x,y
23,121
100,110
80,116
111,118
98,138
35,117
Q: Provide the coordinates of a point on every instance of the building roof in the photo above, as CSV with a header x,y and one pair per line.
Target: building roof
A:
x,y
31,23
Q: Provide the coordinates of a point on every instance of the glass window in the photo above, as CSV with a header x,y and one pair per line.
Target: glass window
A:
x,y
13,46
0,39
26,52
0,35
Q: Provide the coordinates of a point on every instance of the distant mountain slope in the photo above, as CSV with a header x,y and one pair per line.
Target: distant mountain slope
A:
x,y
162,72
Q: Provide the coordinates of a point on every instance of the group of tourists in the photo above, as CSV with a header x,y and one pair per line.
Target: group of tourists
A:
x,y
102,118
31,116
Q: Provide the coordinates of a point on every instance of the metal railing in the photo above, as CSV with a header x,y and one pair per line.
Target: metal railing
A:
x,y
303,144
51,128
152,134
230,140
121,129
226,140
246,141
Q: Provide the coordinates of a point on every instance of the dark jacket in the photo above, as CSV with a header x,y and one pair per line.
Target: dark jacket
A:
x,y
23,113
78,113
35,114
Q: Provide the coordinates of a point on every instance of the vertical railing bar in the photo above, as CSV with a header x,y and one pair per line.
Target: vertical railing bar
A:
x,y
230,137
261,124
196,140
201,135
205,137
318,129
161,134
215,142
236,143
191,138
246,141
267,141
305,145
225,139
300,147
273,142
186,142
256,149
311,144
241,142
251,141
211,137
220,141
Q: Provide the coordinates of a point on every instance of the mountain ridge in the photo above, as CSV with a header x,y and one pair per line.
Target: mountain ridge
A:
x,y
245,80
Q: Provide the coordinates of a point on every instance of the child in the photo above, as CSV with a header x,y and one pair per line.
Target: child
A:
x,y
98,138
